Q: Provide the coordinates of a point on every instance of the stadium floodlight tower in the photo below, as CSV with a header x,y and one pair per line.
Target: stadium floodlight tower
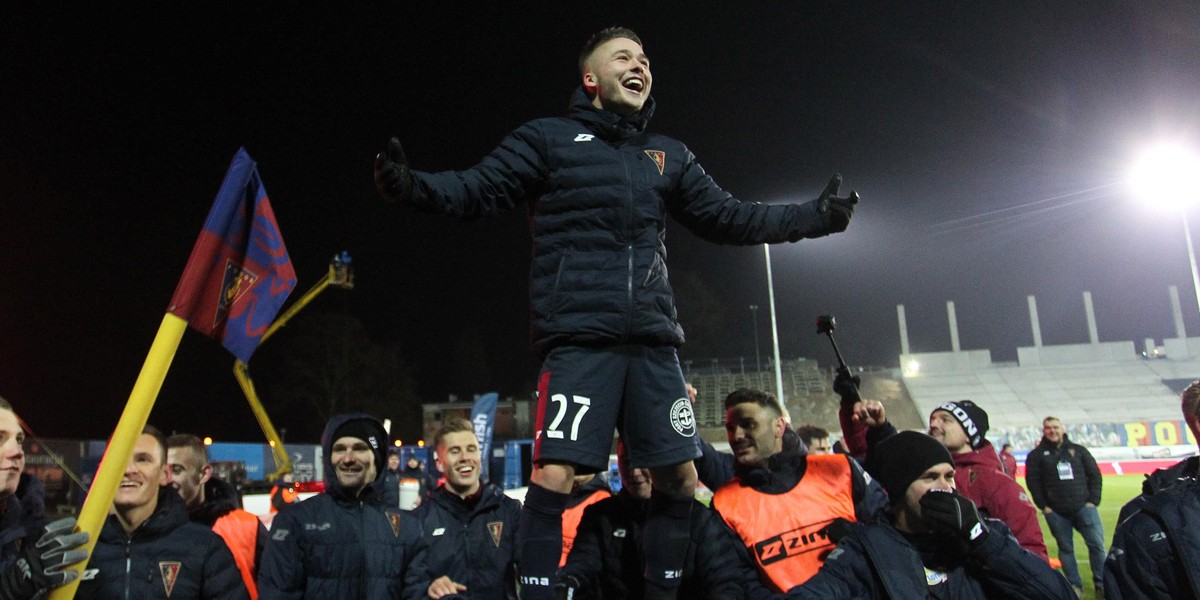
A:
x,y
1170,173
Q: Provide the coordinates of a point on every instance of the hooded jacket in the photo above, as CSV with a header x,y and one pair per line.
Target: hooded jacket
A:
x,y
598,188
978,475
878,561
473,543
1160,480
1155,551
1048,488
167,556
343,544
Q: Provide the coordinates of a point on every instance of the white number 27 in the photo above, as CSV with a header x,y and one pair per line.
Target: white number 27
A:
x,y
584,404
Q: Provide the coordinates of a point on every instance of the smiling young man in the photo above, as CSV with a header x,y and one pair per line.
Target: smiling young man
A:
x,y
346,542
215,504
933,543
148,548
471,526
598,188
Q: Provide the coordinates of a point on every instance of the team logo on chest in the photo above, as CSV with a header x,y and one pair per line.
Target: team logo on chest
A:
x,y
659,157
394,520
495,528
170,572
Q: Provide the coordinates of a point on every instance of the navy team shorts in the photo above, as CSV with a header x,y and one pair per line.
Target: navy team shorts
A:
x,y
586,393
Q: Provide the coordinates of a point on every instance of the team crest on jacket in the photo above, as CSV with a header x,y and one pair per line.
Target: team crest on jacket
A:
x,y
170,572
236,283
495,528
659,157
394,519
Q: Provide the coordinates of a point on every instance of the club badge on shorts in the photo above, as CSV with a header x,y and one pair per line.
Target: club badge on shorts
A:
x,y
682,418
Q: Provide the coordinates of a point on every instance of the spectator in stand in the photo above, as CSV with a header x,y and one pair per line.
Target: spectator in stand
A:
x,y
34,555
415,469
1008,461
393,463
776,487
347,542
933,543
148,548
1066,484
215,504
1156,546
471,526
815,439
606,559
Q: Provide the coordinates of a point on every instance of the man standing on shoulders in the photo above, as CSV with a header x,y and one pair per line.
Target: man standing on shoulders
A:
x,y
978,475
1066,484
214,504
471,526
148,548
346,542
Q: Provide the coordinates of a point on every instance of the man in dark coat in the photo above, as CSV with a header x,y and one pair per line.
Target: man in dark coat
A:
x,y
34,555
215,504
149,549
932,544
1066,484
598,189
346,542
471,526
1156,547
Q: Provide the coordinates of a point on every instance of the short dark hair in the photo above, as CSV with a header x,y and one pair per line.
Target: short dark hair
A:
x,y
759,397
4,405
158,436
1190,401
449,426
187,440
604,35
808,433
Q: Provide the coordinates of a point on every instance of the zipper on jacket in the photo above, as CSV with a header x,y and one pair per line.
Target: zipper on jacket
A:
x,y
128,565
628,249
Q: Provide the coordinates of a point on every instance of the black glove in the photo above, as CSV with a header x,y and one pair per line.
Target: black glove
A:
x,y
951,512
40,566
846,386
838,529
835,212
393,178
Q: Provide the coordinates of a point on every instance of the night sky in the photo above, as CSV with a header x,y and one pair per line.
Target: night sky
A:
x,y
988,141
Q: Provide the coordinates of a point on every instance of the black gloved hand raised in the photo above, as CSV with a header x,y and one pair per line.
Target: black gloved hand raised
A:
x,y
393,178
835,212
846,386
953,513
41,565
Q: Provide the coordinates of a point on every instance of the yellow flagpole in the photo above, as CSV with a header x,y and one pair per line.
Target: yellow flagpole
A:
x,y
120,447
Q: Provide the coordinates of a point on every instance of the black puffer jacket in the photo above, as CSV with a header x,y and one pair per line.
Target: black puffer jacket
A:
x,y
878,561
342,545
607,557
166,557
598,188
1155,551
1048,488
1160,480
473,543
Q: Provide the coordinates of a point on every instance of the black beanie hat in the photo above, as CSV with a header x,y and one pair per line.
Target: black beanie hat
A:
x,y
974,420
899,460
368,430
